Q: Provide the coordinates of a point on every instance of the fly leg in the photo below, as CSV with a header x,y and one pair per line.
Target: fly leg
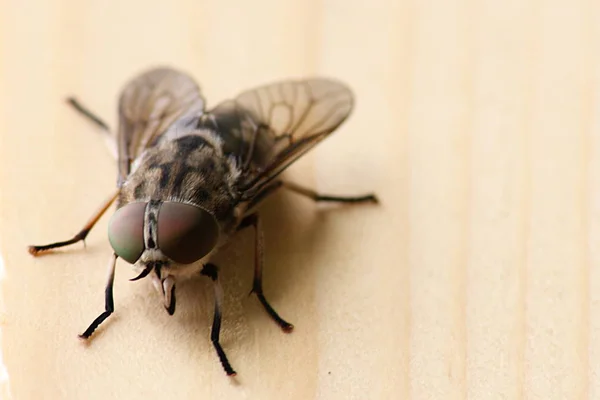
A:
x,y
211,271
110,141
109,304
88,114
367,198
82,234
272,187
254,220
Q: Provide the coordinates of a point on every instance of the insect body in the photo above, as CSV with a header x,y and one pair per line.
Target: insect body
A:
x,y
188,178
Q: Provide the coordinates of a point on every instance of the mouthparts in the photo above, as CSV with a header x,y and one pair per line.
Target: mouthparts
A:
x,y
164,286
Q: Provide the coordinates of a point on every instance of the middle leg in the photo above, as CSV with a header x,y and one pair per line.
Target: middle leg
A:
x,y
254,220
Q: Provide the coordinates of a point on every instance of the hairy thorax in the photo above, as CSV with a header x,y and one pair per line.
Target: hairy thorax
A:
x,y
191,169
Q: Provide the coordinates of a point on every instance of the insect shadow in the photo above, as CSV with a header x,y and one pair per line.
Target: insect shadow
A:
x,y
295,234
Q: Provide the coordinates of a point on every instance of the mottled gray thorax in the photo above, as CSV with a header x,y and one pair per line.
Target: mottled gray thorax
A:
x,y
189,169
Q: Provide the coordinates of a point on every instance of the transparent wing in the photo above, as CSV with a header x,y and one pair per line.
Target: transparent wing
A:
x,y
270,127
149,105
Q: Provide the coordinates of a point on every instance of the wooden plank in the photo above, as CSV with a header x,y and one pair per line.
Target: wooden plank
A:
x,y
477,124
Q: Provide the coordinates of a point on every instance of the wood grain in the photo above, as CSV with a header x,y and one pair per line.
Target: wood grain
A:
x,y
477,123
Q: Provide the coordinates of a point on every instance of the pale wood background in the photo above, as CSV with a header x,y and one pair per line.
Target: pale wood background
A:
x,y
477,123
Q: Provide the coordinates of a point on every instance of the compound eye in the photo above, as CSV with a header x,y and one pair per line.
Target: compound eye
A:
x,y
126,231
186,233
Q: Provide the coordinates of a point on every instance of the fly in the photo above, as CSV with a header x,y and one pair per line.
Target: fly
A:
x,y
190,178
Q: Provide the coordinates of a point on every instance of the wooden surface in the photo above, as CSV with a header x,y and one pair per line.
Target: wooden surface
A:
x,y
477,122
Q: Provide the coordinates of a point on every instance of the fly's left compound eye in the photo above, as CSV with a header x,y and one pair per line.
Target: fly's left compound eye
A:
x,y
126,231
186,233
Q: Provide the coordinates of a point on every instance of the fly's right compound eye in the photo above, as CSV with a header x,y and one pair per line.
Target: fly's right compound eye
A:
x,y
126,232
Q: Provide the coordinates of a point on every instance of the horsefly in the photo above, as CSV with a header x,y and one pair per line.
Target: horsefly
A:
x,y
190,178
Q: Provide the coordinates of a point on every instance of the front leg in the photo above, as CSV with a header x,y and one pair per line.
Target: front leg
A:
x,y
109,304
211,271
254,220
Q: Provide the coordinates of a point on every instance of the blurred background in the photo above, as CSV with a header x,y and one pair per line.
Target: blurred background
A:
x,y
476,123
